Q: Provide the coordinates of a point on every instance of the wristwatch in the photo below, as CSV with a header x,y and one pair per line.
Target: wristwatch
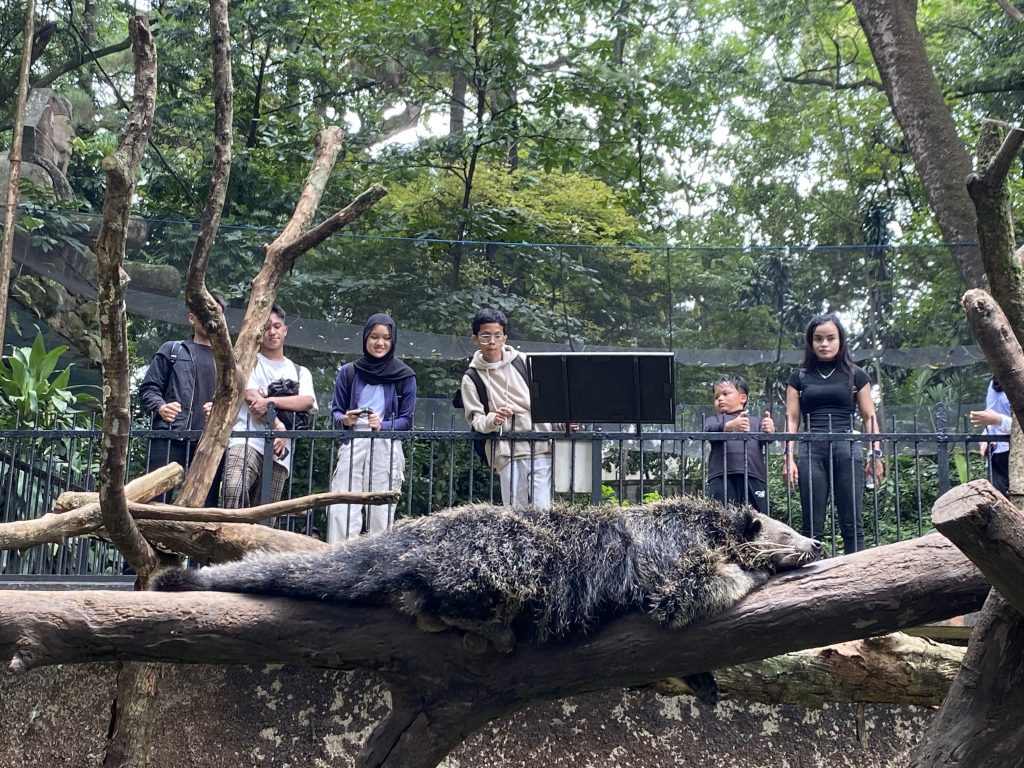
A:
x,y
877,453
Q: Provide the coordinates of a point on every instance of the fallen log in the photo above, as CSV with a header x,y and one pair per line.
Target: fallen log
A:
x,y
890,669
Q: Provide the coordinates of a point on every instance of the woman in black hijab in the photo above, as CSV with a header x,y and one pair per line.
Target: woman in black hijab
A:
x,y
375,394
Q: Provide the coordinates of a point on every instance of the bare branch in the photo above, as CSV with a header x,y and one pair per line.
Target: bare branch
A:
x,y
87,520
80,59
121,169
1011,11
281,255
230,380
328,227
261,512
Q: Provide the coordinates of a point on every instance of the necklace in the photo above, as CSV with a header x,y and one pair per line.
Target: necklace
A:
x,y
826,375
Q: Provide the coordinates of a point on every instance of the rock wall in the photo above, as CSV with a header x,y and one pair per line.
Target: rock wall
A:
x,y
286,717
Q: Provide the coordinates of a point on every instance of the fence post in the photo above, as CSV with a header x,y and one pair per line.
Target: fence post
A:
x,y
941,447
267,474
596,451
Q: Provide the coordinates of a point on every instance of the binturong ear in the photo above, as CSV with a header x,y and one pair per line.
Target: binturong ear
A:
x,y
753,528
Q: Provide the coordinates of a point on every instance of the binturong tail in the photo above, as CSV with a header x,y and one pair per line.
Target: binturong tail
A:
x,y
178,580
338,575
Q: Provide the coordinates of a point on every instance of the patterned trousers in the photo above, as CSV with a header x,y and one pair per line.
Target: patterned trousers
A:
x,y
243,476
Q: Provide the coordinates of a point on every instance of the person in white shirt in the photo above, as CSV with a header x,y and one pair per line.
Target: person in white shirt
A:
x,y
996,420
243,470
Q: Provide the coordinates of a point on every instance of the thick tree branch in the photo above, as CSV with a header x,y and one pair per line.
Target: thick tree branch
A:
x,y
457,682
919,107
121,169
1011,10
893,669
990,531
1003,351
78,514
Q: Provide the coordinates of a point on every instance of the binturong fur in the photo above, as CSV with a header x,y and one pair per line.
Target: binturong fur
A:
x,y
521,573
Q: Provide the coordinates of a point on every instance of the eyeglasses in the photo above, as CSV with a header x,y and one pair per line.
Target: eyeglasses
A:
x,y
489,337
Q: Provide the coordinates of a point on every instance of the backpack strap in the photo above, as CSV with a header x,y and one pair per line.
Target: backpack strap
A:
x,y
350,374
520,365
481,388
175,352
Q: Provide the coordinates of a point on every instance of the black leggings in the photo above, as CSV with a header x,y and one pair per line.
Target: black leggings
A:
x,y
832,469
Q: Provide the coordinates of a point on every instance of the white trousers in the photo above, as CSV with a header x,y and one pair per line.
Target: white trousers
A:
x,y
527,481
367,464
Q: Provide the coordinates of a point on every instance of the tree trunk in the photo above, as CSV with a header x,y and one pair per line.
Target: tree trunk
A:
x,y
979,725
14,169
941,161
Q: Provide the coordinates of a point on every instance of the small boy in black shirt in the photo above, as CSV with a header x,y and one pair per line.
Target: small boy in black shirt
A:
x,y
736,467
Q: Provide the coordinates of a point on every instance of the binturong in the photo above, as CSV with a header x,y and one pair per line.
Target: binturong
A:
x,y
520,574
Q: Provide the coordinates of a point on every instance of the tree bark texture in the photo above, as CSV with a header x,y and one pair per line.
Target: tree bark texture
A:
x,y
916,99
230,380
14,172
981,724
892,669
142,488
446,685
121,169
999,253
997,340
990,531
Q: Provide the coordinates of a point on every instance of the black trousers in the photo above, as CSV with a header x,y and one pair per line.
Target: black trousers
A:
x,y
999,464
832,470
163,452
740,488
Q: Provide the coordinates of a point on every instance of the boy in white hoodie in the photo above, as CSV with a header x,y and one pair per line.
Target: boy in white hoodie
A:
x,y
523,466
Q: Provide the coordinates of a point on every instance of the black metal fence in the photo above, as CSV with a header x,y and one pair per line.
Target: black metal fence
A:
x,y
613,464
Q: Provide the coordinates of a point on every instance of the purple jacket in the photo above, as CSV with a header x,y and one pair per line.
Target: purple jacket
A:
x,y
400,400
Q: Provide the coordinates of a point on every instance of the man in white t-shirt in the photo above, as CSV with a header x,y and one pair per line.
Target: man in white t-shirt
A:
x,y
243,470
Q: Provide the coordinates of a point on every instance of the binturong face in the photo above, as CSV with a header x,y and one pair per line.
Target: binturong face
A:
x,y
378,342
728,399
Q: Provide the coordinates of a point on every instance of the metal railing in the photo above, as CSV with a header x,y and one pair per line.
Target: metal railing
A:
x,y
614,465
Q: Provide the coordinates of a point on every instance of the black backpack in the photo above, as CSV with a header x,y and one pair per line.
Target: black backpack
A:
x,y
480,443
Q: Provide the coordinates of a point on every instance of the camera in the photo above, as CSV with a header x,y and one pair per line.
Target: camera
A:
x,y
365,411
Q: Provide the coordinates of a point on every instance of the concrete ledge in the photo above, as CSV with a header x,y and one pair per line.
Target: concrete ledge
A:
x,y
232,716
